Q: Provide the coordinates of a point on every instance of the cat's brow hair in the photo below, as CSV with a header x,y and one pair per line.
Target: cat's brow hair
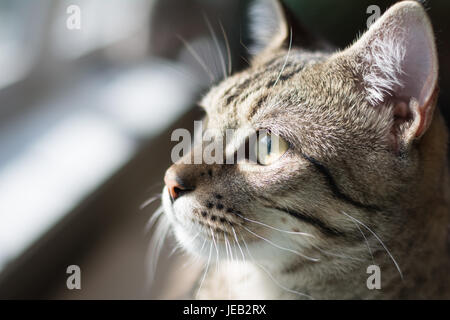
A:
x,y
265,76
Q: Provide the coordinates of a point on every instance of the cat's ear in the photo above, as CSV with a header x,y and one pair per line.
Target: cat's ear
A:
x,y
396,61
273,25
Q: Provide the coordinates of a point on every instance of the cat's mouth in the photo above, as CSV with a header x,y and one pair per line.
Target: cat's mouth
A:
x,y
210,220
200,226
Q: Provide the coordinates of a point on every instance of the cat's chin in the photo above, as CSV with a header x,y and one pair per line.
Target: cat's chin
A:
x,y
189,236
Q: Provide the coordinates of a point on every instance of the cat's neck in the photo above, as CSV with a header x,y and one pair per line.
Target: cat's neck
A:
x,y
420,245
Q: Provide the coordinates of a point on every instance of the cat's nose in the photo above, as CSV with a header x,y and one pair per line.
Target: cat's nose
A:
x,y
176,184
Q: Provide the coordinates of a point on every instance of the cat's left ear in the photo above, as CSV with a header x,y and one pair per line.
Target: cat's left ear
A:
x,y
397,63
273,25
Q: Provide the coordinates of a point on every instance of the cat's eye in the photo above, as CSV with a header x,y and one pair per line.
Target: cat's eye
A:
x,y
269,148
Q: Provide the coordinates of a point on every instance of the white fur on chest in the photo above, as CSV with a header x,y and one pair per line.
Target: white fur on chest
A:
x,y
240,281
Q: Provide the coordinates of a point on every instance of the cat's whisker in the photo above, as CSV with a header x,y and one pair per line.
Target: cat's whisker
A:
x,y
156,184
216,43
149,201
187,75
229,247
174,249
227,44
228,266
203,245
154,218
241,42
244,259
188,263
280,247
197,58
245,59
226,248
312,244
235,249
237,242
206,269
274,228
365,239
215,245
218,253
179,246
286,60
328,253
379,240
156,244
272,277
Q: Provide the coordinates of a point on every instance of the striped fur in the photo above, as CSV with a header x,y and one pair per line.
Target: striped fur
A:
x,y
361,198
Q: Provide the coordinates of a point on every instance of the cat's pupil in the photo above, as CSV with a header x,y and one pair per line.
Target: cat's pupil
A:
x,y
266,142
269,144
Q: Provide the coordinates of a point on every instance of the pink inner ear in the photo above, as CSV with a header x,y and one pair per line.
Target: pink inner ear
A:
x,y
398,55
418,75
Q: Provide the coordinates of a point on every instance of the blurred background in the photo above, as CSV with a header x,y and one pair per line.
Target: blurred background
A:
x,y
87,107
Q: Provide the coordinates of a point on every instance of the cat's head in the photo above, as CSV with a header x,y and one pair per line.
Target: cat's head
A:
x,y
351,126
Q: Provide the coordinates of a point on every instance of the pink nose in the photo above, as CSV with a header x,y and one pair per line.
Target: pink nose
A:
x,y
175,189
178,183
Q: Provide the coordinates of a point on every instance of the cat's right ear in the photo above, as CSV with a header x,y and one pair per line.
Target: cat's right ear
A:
x,y
273,26
396,61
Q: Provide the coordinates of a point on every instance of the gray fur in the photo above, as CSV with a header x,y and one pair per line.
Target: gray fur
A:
x,y
397,190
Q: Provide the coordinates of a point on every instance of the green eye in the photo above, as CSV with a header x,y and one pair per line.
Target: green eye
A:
x,y
269,148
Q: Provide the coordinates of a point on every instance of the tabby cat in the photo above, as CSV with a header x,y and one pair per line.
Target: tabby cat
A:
x,y
354,201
